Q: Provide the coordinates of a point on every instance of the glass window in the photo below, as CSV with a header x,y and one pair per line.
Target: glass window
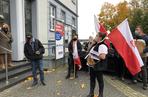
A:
x,y
73,21
63,16
52,17
5,10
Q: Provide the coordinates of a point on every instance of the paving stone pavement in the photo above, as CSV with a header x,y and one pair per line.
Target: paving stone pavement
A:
x,y
58,86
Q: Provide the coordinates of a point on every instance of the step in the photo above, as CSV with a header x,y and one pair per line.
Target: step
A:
x,y
13,81
15,72
15,67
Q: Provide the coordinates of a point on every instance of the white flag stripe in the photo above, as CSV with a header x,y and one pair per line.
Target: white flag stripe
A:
x,y
97,26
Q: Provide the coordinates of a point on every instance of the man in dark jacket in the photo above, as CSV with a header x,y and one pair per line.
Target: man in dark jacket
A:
x,y
71,59
34,51
141,35
98,54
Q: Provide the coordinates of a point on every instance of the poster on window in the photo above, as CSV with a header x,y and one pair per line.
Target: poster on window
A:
x,y
59,34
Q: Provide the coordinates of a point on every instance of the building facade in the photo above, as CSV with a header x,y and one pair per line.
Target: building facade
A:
x,y
38,17
64,12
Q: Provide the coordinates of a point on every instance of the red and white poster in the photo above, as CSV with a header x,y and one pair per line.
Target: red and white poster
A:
x,y
59,34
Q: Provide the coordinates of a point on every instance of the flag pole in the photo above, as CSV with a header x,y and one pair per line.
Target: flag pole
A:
x,y
74,71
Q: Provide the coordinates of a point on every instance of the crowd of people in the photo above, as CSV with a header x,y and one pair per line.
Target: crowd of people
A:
x,y
100,57
96,55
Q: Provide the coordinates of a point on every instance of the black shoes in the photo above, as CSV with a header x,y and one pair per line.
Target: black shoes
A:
x,y
34,83
90,95
145,87
101,95
67,77
43,83
134,81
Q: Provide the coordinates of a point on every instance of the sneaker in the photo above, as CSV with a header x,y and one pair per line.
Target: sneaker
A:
x,y
43,83
145,87
34,83
122,78
100,95
135,81
67,77
76,76
90,95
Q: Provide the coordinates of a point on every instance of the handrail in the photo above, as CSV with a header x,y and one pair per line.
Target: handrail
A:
x,y
9,51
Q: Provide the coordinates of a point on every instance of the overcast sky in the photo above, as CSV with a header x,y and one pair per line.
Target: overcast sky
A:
x,y
86,11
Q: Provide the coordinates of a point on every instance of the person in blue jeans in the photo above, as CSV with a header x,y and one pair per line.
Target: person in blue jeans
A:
x,y
34,51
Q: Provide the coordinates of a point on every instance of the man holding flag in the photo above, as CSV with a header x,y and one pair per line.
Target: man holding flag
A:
x,y
74,62
98,55
126,48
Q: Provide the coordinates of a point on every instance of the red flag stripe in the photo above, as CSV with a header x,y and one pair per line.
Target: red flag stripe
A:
x,y
125,51
102,28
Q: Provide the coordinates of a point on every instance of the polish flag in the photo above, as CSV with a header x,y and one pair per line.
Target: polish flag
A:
x,y
76,56
123,41
98,26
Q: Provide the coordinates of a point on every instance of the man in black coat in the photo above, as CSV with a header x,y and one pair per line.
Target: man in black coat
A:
x,y
71,63
34,51
98,54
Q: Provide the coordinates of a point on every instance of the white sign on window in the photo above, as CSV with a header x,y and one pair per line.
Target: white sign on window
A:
x,y
59,34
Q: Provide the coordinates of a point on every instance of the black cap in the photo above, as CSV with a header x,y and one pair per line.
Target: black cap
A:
x,y
28,35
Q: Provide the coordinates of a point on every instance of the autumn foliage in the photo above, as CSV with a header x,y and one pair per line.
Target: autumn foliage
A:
x,y
136,11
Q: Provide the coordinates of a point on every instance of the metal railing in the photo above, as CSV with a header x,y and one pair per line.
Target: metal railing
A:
x,y
51,48
6,63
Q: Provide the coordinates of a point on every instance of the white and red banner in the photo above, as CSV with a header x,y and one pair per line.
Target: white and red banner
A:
x,y
123,41
59,34
100,28
76,56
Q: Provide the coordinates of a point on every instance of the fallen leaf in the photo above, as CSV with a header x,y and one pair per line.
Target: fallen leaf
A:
x,y
53,70
95,95
49,71
58,94
83,86
75,83
65,71
29,78
28,88
59,81
25,81
71,78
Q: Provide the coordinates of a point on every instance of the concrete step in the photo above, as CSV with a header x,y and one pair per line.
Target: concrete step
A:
x,y
14,80
15,74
